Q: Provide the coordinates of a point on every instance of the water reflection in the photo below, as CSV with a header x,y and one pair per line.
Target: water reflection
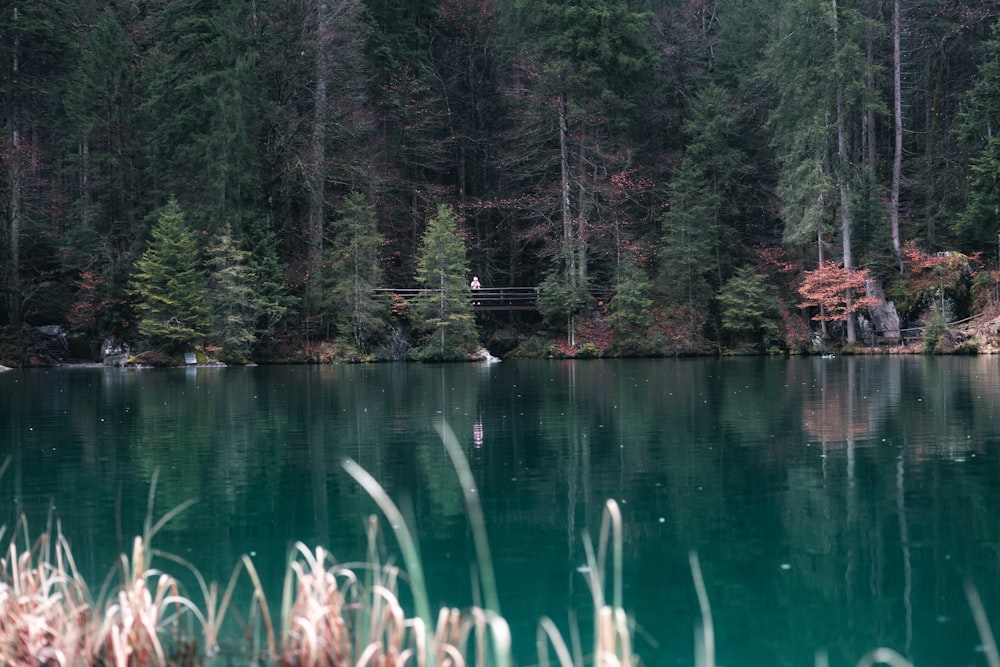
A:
x,y
835,503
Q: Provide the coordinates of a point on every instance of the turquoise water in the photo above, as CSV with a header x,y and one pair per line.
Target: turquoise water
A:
x,y
835,504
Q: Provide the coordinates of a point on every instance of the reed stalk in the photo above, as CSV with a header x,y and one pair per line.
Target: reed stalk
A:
x,y
407,543
474,513
705,634
215,608
883,656
259,602
329,615
982,625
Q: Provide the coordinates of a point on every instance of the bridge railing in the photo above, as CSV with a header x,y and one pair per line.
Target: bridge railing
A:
x,y
485,298
490,298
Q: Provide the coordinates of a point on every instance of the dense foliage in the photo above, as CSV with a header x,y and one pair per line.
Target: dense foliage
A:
x,y
664,147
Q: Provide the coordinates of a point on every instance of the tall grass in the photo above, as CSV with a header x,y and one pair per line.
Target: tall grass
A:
x,y
332,614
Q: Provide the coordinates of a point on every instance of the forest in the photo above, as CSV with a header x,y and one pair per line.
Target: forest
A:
x,y
252,178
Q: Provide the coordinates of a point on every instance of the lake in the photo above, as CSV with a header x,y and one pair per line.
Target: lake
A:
x,y
835,504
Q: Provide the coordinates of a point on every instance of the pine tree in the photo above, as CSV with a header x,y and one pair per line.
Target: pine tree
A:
x,y
592,56
561,296
353,274
817,68
272,298
689,228
102,110
798,66
234,303
34,49
170,285
204,99
750,313
712,143
979,224
632,311
446,312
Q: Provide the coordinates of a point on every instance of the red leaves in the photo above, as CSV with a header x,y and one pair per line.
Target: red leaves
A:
x,y
626,183
90,304
773,259
926,272
836,291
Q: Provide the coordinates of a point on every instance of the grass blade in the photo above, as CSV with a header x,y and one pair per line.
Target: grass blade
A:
x,y
403,536
547,629
884,656
707,627
982,625
474,512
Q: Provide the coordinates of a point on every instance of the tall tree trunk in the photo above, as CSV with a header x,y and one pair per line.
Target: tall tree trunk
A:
x,y
897,114
845,213
317,159
567,215
583,216
931,160
15,177
12,274
86,196
871,91
845,210
821,256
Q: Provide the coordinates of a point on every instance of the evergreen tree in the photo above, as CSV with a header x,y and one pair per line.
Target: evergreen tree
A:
x,y
401,30
561,297
316,123
204,102
689,227
272,299
353,274
101,143
943,45
468,66
34,50
798,66
712,134
170,285
632,312
750,313
232,296
818,70
591,57
979,224
445,314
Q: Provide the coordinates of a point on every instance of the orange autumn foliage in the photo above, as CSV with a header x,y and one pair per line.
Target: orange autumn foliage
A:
x,y
827,286
925,272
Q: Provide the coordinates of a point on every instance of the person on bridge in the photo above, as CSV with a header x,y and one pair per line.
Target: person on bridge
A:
x,y
475,285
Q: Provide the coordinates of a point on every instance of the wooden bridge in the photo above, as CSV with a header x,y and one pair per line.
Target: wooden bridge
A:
x,y
488,298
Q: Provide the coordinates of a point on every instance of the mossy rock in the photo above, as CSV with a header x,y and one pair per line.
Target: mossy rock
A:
x,y
156,358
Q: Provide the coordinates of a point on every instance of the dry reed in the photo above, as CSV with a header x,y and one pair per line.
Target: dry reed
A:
x,y
330,616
